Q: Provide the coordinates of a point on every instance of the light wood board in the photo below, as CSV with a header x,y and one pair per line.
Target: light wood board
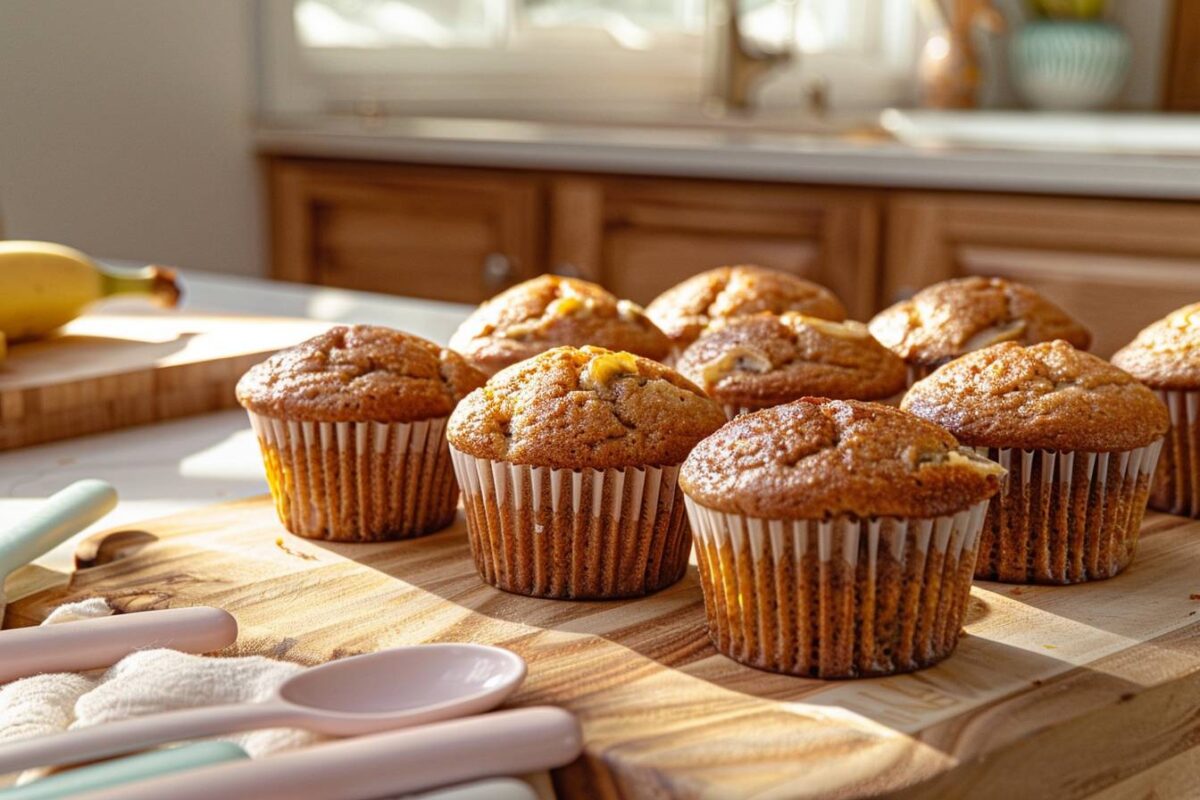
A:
x,y
1057,692
109,371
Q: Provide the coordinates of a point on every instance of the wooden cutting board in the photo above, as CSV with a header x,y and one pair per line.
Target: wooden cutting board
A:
x,y
1064,692
109,371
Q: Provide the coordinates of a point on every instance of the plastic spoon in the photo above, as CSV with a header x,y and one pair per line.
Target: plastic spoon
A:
x,y
511,742
381,691
60,517
102,642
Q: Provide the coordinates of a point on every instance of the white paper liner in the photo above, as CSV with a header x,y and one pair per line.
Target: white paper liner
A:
x,y
358,481
835,598
1177,480
1064,517
574,534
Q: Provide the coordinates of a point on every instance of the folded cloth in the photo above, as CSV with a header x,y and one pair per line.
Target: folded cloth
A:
x,y
142,683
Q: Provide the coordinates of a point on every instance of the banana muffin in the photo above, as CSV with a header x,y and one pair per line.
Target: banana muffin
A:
x,y
946,320
568,463
1079,438
1166,357
548,312
351,424
836,538
747,363
685,310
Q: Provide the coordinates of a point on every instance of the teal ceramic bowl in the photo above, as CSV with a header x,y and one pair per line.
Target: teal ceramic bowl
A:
x,y
1069,65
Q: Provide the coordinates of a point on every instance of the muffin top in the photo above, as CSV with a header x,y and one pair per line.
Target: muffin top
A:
x,y
768,359
550,311
686,309
958,316
815,458
1166,355
359,373
1046,396
574,408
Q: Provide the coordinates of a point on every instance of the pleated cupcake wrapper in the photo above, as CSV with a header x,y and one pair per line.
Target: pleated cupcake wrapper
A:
x,y
358,481
1064,517
836,598
574,534
1177,480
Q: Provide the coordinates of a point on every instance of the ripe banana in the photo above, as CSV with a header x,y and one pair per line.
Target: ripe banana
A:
x,y
43,286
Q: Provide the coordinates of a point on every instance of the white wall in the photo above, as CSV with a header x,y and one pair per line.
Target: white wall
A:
x,y
125,129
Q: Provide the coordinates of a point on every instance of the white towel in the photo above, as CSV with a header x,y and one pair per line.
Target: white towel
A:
x,y
143,683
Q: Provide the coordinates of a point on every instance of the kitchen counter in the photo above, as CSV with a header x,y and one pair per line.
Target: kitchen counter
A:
x,y
174,466
852,153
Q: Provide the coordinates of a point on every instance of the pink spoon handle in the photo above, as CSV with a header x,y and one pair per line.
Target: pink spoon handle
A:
x,y
139,733
94,643
443,753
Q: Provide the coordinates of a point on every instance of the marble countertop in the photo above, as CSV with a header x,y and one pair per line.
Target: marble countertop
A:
x,y
848,153
174,466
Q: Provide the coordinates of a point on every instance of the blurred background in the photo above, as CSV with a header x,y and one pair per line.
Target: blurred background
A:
x,y
447,148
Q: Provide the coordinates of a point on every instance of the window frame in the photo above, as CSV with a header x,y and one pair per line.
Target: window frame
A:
x,y
533,76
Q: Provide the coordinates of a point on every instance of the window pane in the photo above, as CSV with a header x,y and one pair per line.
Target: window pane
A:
x,y
400,23
629,23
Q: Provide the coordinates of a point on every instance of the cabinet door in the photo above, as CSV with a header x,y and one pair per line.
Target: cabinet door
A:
x,y
459,235
1116,265
639,236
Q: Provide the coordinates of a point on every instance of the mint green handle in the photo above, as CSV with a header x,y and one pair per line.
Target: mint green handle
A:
x,y
126,770
60,517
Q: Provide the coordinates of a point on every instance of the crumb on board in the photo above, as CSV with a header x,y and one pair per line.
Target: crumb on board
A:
x,y
1016,590
297,553
1194,596
1050,646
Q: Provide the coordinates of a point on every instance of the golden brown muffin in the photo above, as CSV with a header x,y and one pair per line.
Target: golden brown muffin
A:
x,y
948,319
1166,357
351,425
815,458
359,373
835,539
548,312
685,310
1079,438
574,408
1045,396
568,463
766,359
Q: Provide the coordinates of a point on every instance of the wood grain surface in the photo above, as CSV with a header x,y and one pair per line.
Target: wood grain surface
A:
x,y
1065,692
109,371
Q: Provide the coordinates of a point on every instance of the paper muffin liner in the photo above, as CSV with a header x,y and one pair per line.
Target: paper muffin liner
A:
x,y
358,481
1064,517
837,598
1176,487
574,534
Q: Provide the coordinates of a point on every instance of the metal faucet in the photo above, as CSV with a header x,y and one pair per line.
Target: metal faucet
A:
x,y
732,65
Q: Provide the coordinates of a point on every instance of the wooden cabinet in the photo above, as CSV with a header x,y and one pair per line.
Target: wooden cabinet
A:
x,y
464,234
639,236
1115,264
446,234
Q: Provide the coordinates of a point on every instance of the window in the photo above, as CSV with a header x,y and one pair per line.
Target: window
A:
x,y
598,56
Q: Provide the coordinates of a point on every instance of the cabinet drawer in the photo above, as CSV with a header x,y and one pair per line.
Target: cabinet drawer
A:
x,y
440,234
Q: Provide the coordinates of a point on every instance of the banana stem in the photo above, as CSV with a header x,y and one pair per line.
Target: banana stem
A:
x,y
158,282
